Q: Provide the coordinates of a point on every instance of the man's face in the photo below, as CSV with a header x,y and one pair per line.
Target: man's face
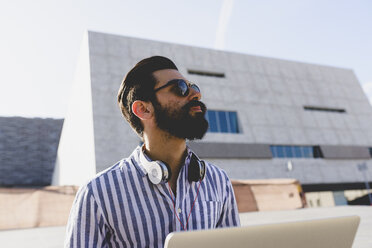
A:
x,y
180,116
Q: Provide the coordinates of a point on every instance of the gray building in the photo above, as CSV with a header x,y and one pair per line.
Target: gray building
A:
x,y
28,150
269,118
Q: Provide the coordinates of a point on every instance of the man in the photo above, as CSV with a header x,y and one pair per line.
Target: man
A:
x,y
162,186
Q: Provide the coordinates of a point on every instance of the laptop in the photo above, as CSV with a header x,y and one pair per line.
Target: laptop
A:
x,y
328,233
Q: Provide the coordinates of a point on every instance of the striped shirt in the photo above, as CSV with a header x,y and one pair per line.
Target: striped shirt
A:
x,y
120,207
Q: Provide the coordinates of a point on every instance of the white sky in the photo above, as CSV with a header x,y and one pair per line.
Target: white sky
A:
x,y
40,39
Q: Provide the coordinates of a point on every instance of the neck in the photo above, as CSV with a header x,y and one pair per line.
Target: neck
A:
x,y
169,149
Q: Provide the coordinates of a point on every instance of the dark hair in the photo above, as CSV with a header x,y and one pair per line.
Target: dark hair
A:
x,y
138,84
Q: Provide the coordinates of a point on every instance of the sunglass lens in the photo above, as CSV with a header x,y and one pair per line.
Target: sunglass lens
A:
x,y
195,87
184,89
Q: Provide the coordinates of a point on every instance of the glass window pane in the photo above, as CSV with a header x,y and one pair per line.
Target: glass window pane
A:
x,y
233,120
288,152
223,121
273,151
308,152
280,151
212,121
297,152
311,155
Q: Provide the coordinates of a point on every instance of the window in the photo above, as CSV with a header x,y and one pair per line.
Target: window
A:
x,y
222,121
297,152
308,152
279,151
324,109
206,73
370,151
317,152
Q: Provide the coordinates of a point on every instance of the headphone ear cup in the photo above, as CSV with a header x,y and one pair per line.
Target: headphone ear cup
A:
x,y
196,169
158,172
167,171
202,170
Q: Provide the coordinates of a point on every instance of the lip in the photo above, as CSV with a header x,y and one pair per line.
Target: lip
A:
x,y
196,109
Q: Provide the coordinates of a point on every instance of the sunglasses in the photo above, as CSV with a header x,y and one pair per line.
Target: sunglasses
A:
x,y
183,88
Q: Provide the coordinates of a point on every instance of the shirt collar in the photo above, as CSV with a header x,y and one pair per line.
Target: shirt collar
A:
x,y
135,159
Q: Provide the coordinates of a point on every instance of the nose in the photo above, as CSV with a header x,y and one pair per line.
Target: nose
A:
x,y
194,95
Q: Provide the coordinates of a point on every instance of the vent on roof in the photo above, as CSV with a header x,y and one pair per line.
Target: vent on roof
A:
x,y
207,73
312,108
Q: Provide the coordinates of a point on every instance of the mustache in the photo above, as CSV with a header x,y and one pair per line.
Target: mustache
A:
x,y
195,103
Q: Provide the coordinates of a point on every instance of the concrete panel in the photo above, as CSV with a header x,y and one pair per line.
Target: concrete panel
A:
x,y
308,119
262,134
345,137
337,121
291,116
281,135
274,116
255,64
307,171
345,152
277,84
360,137
230,150
256,114
298,136
351,121
365,121
330,136
322,119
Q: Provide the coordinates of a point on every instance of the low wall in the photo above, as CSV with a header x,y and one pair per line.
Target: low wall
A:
x,y
268,195
35,207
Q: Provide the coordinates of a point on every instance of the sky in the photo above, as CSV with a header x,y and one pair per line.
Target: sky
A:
x,y
40,39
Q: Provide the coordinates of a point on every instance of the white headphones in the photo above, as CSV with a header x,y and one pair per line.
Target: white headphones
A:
x,y
159,172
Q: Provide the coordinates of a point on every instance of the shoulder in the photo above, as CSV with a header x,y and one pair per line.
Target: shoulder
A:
x,y
90,187
217,178
215,171
211,169
108,178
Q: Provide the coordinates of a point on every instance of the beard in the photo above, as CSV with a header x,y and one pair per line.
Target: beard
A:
x,y
179,122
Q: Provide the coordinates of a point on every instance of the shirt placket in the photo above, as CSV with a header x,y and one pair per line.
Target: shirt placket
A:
x,y
179,208
183,188
180,221
175,205
179,211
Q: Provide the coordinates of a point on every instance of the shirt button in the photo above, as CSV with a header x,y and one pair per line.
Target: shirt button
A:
x,y
179,210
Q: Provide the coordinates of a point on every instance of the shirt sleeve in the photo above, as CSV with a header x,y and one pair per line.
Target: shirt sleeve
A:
x,y
85,227
230,214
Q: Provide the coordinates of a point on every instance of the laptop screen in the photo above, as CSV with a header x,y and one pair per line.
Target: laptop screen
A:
x,y
331,232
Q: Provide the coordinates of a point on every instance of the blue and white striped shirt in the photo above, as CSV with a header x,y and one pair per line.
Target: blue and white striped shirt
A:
x,y
120,207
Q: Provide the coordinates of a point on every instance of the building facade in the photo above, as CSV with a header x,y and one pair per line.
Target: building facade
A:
x,y
269,118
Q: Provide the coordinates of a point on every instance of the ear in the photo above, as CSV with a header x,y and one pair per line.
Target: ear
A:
x,y
143,110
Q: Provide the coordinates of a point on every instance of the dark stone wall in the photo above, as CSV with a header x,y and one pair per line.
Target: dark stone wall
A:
x,y
28,150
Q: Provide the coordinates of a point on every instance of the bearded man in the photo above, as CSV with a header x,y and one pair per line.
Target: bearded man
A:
x,y
163,186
